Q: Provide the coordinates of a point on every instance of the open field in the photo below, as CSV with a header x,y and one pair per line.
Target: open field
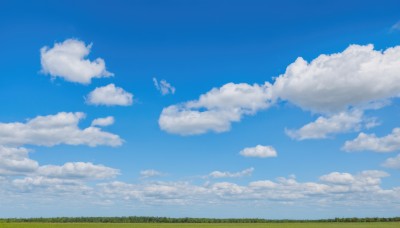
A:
x,y
201,225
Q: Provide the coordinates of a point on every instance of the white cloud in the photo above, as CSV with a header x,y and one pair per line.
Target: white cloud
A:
x,y
150,173
370,142
110,95
259,151
333,83
393,163
68,60
395,27
78,170
243,173
51,130
15,161
103,122
338,188
338,178
51,186
358,78
215,110
324,127
164,87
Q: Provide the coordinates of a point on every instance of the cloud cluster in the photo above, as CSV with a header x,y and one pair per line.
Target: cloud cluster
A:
x,y
51,130
339,86
110,95
215,110
68,60
164,87
16,162
259,151
339,188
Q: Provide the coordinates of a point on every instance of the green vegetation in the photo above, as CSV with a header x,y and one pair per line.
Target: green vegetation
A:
x,y
136,219
163,222
202,225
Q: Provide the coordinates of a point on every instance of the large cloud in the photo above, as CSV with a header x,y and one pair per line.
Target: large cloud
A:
x,y
215,110
110,95
331,83
67,60
370,142
51,130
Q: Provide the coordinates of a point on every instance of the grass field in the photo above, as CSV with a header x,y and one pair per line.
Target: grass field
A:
x,y
200,225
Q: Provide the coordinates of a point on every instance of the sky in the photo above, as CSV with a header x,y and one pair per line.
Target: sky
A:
x,y
267,109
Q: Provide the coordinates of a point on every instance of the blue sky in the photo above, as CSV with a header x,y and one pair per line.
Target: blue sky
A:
x,y
270,109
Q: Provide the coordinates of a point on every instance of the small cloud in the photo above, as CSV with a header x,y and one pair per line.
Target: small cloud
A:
x,y
259,151
110,95
164,87
243,173
150,173
393,163
103,122
395,27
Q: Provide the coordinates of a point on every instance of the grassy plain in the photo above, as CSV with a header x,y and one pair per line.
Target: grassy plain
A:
x,y
201,225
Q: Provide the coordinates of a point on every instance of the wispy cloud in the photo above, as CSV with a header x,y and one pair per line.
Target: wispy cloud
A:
x,y
164,87
243,173
395,27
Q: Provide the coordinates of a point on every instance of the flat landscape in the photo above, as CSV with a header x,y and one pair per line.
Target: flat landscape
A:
x,y
200,225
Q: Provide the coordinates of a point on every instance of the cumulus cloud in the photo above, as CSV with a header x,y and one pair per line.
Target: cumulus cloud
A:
x,y
215,110
103,122
150,173
332,83
243,173
51,130
338,178
259,151
370,142
324,127
68,60
164,87
393,163
109,95
78,170
15,161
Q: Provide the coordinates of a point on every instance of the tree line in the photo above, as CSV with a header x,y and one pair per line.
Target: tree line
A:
x,y
142,219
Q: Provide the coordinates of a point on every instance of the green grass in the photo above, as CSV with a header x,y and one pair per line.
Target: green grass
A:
x,y
201,225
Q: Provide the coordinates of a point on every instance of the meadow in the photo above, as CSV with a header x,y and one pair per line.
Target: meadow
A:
x,y
203,225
